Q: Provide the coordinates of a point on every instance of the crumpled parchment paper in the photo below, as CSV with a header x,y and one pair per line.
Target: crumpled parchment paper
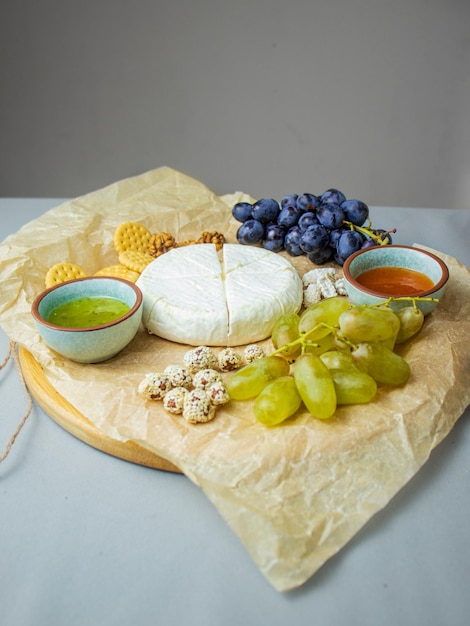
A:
x,y
296,493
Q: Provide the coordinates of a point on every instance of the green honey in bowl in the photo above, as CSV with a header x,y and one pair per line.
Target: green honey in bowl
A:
x,y
88,312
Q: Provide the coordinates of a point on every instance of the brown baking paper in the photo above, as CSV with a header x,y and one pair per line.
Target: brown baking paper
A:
x,y
296,493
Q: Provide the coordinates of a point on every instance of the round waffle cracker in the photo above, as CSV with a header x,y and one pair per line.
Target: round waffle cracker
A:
x,y
132,236
118,271
62,272
135,260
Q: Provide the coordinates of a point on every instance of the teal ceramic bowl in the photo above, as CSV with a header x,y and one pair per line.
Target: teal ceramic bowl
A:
x,y
400,257
92,344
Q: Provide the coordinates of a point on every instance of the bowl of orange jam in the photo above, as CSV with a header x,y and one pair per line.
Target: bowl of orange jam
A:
x,y
398,274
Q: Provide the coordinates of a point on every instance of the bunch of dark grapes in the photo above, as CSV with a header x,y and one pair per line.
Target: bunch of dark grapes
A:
x,y
324,228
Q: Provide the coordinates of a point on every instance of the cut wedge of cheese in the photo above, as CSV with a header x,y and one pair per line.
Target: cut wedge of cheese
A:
x,y
197,296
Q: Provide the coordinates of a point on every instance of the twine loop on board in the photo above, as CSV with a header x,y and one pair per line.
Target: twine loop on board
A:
x,y
12,353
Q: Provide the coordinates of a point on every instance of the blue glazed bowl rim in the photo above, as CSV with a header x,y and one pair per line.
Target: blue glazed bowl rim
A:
x,y
422,294
37,301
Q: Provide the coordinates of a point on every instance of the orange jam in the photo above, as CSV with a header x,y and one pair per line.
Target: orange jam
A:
x,y
395,281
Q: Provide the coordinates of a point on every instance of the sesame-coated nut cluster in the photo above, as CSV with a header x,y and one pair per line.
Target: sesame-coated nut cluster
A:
x,y
229,359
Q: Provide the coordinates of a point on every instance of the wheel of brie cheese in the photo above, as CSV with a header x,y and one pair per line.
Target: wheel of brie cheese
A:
x,y
198,296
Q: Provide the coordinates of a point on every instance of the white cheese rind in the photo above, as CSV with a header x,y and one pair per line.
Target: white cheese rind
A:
x,y
254,275
190,296
184,297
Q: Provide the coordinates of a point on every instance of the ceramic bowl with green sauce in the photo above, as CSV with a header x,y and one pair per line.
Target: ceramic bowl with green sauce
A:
x,y
89,320
376,274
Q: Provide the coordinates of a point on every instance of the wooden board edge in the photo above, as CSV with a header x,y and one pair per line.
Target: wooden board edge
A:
x,y
71,420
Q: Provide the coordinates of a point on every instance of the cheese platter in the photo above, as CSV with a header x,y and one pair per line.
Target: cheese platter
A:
x,y
306,485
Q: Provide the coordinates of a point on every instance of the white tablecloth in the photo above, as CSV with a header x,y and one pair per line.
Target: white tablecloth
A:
x,y
74,521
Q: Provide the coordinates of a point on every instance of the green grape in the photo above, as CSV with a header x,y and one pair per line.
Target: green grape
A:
x,y
340,342
286,330
251,379
315,385
384,365
364,323
319,346
353,386
390,342
326,312
334,359
278,401
411,321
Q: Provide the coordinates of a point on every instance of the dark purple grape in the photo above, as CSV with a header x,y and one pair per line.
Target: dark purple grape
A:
x,y
314,237
250,232
334,196
274,237
307,202
321,256
330,215
307,219
335,234
289,216
289,200
368,243
385,236
242,211
349,242
355,211
320,227
265,210
292,241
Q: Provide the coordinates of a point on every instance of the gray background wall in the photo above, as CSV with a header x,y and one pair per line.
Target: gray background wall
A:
x,y
268,97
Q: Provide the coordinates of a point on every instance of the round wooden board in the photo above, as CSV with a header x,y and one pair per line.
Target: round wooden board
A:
x,y
69,418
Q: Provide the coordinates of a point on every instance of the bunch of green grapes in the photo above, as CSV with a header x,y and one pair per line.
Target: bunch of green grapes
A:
x,y
334,353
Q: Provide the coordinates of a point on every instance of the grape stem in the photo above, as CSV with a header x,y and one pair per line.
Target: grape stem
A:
x,y
380,238
304,341
398,298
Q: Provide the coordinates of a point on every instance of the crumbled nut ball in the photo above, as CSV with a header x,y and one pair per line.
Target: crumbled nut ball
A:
x,y
253,352
155,385
217,393
174,400
197,407
200,358
203,378
229,360
179,376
